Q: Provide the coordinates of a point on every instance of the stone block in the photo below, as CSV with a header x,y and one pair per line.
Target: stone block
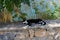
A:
x,y
41,33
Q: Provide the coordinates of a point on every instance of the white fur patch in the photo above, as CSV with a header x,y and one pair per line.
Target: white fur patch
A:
x,y
41,22
25,22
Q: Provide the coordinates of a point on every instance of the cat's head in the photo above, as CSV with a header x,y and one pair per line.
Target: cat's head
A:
x,y
25,22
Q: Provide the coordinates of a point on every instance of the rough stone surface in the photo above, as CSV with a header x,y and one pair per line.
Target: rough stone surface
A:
x,y
41,33
31,33
35,32
22,34
57,36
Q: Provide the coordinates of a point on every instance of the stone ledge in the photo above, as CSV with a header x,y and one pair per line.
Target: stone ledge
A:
x,y
53,34
51,31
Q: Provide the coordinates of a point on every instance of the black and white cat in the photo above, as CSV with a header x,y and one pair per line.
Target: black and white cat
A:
x,y
36,21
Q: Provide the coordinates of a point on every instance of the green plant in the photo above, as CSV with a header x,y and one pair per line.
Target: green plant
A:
x,y
9,5
5,16
48,14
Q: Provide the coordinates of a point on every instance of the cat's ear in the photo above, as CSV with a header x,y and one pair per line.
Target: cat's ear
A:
x,y
24,19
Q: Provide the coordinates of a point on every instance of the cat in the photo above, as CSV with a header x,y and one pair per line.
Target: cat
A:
x,y
36,21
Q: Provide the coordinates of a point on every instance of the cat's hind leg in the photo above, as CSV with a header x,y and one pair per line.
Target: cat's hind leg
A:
x,y
42,23
29,24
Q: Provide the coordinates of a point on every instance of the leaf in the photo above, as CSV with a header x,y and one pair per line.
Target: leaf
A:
x,y
9,5
26,1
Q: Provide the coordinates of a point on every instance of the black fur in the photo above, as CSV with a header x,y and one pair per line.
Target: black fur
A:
x,y
36,21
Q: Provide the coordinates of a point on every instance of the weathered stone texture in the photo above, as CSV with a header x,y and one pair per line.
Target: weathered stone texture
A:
x,y
33,34
41,33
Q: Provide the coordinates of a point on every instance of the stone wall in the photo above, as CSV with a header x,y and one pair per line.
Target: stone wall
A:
x,y
50,31
31,34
